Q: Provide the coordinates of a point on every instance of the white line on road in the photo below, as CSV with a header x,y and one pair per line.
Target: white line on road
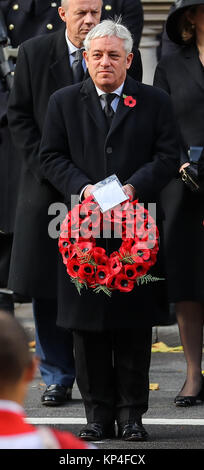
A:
x,y
158,421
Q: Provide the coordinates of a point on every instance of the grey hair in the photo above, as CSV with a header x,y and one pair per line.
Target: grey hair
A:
x,y
64,3
110,28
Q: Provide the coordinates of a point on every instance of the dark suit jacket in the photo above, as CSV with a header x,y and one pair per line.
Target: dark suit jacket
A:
x,y
131,12
141,148
42,67
182,76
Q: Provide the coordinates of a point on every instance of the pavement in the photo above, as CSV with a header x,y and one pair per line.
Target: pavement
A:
x,y
169,427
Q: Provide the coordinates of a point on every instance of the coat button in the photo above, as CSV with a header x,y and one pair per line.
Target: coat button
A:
x,y
50,26
109,150
11,27
15,6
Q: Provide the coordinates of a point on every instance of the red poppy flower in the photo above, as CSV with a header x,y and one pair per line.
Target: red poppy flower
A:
x,y
99,256
115,264
85,228
140,253
130,101
74,215
73,267
126,246
102,274
86,272
142,269
64,224
123,284
130,271
111,281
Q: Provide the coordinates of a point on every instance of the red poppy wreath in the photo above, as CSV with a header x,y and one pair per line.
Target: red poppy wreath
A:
x,y
89,266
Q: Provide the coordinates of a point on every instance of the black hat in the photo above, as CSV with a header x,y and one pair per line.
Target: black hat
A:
x,y
172,24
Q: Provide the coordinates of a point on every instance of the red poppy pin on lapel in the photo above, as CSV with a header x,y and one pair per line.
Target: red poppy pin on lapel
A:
x,y
129,101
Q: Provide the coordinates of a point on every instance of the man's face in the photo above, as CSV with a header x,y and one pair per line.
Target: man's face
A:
x,y
80,17
107,62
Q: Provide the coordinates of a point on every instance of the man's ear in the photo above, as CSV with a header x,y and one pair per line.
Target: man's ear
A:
x,y
85,56
129,60
62,13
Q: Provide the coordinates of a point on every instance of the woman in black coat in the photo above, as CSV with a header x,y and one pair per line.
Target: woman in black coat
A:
x,y
182,75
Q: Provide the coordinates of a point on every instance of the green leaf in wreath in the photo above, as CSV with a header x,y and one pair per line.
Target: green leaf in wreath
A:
x,y
102,288
148,278
79,284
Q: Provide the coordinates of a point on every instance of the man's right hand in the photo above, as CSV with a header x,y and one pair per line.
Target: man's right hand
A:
x,y
87,191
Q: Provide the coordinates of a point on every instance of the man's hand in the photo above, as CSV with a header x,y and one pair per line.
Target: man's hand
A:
x,y
129,190
184,166
87,191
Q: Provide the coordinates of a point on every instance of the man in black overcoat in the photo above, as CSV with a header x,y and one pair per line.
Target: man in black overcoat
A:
x,y
79,149
131,12
22,19
45,65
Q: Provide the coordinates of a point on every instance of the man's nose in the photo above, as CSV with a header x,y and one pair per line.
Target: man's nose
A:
x,y
89,18
105,60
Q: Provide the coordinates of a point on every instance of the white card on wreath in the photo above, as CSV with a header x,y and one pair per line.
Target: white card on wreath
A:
x,y
109,193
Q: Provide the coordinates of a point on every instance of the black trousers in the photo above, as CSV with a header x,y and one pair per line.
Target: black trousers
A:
x,y
112,372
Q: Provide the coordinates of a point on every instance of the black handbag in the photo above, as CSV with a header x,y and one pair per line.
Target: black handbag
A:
x,y
190,174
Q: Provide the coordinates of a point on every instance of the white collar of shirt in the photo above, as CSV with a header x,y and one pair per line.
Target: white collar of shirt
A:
x,y
114,103
72,49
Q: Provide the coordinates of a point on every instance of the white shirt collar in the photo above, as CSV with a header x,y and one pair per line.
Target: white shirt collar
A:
x,y
12,406
118,91
71,46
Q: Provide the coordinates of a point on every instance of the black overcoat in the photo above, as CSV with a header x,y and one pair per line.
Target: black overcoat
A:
x,y
42,67
182,76
141,148
28,18
131,12
24,19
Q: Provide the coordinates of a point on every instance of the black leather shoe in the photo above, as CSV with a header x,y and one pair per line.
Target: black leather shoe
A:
x,y
96,432
56,395
132,432
185,401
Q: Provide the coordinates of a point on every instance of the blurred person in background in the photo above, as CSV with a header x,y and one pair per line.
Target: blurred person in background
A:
x,y
181,75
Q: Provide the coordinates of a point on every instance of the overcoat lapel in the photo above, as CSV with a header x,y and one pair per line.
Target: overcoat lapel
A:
x,y
60,69
91,100
130,89
192,63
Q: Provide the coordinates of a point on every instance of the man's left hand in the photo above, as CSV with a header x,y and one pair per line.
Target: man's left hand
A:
x,y
129,190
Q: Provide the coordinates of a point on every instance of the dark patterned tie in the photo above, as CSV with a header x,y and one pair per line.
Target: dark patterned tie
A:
x,y
108,110
77,67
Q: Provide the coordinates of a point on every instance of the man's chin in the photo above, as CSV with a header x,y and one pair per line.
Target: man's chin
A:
x,y
106,86
105,80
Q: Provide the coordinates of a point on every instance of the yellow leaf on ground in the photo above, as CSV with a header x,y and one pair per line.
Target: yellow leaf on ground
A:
x,y
32,344
162,347
154,386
